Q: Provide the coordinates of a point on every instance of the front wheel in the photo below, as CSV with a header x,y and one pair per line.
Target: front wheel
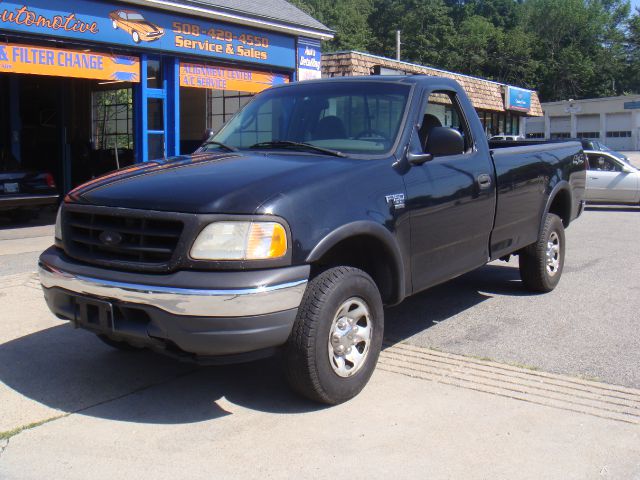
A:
x,y
336,339
136,37
541,263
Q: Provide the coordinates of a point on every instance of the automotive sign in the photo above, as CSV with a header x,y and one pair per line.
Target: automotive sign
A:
x,y
57,62
95,21
517,99
309,58
222,78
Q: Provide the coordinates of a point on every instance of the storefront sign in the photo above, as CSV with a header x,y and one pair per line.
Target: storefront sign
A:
x,y
631,105
517,99
222,78
94,21
309,58
15,58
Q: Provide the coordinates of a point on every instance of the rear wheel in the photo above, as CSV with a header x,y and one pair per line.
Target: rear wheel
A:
x,y
336,339
541,263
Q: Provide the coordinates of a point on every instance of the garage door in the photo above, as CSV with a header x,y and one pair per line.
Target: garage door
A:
x,y
588,126
619,131
560,126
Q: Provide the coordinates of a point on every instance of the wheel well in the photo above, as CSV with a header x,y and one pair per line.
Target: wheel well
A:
x,y
368,254
561,206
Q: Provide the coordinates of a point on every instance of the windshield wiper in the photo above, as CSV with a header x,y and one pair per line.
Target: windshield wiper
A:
x,y
228,148
288,143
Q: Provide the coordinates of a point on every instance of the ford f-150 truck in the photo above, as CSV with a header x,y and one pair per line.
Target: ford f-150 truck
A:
x,y
289,229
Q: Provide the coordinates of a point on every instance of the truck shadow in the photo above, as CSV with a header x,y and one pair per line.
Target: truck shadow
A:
x,y
72,371
424,310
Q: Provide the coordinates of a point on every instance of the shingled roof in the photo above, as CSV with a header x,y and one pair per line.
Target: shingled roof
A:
x,y
484,94
276,12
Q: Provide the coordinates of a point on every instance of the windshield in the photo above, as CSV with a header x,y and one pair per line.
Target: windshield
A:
x,y
136,17
348,117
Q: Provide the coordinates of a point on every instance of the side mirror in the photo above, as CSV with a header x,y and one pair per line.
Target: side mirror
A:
x,y
207,134
443,141
627,169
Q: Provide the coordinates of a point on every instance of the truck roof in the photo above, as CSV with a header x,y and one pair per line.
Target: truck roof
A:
x,y
407,79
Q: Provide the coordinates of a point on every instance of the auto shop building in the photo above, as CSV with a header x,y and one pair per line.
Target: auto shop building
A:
x,y
613,121
87,86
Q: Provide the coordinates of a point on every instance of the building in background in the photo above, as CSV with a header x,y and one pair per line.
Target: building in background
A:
x,y
87,86
613,121
501,107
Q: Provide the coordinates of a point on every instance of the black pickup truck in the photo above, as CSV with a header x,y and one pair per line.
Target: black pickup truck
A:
x,y
291,228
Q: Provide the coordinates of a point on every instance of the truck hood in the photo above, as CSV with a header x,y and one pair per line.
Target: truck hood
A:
x,y
234,183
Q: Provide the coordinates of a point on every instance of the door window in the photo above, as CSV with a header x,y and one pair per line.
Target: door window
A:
x,y
602,163
443,110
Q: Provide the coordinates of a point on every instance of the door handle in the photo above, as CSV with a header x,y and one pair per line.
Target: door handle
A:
x,y
484,180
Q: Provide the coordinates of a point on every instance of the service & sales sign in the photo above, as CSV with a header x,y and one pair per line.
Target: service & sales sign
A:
x,y
147,29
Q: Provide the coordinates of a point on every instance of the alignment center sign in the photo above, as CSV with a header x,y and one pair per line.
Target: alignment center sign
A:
x,y
57,62
222,78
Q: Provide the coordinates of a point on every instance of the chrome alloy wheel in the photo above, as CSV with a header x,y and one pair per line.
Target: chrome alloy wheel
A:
x,y
553,254
350,337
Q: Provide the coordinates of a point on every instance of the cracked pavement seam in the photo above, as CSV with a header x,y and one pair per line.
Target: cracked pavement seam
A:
x,y
3,446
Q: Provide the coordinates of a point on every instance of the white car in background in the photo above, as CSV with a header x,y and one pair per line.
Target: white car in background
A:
x,y
611,180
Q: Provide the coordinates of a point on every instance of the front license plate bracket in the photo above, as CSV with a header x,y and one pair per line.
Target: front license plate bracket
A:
x,y
93,314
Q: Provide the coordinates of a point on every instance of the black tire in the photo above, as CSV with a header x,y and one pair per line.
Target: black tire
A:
x,y
119,345
537,272
308,362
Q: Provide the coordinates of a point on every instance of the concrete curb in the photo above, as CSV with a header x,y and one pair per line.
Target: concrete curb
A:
x,y
611,402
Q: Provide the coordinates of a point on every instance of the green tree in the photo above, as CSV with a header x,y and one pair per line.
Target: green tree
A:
x,y
631,82
348,18
426,25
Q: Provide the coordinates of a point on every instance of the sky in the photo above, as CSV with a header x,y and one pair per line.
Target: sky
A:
x,y
635,3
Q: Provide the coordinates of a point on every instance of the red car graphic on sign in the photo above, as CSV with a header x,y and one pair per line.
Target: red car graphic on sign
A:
x,y
135,25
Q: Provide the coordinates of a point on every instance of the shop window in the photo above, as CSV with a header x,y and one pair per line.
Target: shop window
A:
x,y
619,134
588,134
154,74
561,135
224,104
113,119
535,135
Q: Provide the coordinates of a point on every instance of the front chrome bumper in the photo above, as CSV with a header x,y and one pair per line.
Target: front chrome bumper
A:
x,y
181,301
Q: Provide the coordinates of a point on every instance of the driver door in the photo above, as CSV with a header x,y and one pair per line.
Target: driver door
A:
x,y
451,198
607,182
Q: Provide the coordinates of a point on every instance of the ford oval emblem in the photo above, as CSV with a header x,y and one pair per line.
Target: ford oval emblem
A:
x,y
110,238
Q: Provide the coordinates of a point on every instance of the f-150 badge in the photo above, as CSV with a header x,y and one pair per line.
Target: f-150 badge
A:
x,y
396,200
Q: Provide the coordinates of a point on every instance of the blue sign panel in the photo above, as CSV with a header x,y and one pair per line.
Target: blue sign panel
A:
x,y
309,58
101,22
631,105
517,99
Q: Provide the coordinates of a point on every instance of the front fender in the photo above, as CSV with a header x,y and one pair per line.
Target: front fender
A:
x,y
370,229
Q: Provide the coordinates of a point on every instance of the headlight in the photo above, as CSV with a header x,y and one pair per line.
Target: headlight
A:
x,y
58,229
240,241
